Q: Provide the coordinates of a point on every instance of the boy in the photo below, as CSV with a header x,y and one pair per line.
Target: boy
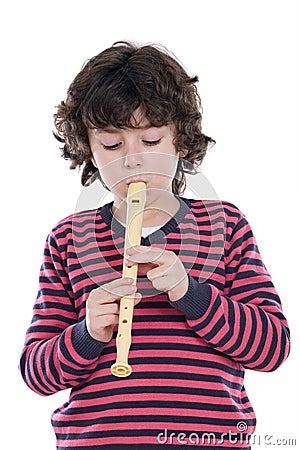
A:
x,y
205,305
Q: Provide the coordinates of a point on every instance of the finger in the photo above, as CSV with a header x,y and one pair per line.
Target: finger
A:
x,y
110,286
121,291
143,268
151,255
122,281
137,298
104,309
165,276
138,249
159,271
109,320
110,294
161,284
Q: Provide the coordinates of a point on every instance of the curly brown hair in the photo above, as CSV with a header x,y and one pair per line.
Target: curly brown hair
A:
x,y
112,85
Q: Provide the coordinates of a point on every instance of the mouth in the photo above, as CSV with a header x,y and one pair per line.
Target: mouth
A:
x,y
135,180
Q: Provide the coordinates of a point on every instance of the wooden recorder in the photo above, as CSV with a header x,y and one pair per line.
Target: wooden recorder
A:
x,y
136,198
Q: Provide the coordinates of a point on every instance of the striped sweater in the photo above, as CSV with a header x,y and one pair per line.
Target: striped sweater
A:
x,y
188,357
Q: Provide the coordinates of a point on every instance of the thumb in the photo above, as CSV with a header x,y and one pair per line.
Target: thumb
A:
x,y
137,298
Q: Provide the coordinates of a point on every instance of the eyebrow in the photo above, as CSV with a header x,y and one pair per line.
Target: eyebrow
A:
x,y
117,130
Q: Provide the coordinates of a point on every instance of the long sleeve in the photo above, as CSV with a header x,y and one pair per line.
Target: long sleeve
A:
x,y
187,357
59,353
245,321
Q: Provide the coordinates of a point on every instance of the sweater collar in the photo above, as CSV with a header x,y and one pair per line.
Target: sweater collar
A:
x,y
168,227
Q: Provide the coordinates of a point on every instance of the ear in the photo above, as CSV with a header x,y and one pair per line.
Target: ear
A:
x,y
183,153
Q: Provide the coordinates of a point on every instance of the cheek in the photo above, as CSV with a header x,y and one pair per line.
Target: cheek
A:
x,y
111,170
164,165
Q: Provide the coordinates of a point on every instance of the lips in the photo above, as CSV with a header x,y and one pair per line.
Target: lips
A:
x,y
135,180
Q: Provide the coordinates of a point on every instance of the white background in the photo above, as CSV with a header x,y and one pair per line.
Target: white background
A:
x,y
246,54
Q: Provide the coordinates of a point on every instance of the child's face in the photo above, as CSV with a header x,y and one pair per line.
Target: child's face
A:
x,y
145,153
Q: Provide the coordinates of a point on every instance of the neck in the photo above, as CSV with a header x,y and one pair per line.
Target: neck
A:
x,y
159,209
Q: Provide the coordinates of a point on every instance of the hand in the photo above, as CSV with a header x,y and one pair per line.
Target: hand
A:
x,y
102,307
162,267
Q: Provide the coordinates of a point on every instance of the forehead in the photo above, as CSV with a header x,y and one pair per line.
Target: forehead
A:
x,y
112,129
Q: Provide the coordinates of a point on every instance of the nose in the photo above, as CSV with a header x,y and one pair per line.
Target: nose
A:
x,y
133,158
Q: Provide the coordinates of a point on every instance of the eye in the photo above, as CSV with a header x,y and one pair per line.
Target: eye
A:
x,y
112,147
151,142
